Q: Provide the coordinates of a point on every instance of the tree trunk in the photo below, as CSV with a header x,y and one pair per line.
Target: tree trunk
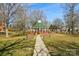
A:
x,y
7,33
6,28
72,28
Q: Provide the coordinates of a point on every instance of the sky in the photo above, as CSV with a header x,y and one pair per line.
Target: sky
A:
x,y
52,11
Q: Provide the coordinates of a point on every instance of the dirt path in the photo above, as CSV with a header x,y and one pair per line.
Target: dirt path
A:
x,y
40,48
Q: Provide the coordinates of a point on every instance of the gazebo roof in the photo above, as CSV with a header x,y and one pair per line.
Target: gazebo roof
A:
x,y
39,24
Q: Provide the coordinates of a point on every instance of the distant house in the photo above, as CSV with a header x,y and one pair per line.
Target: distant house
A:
x,y
1,26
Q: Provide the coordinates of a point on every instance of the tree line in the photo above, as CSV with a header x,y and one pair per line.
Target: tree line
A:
x,y
70,22
17,17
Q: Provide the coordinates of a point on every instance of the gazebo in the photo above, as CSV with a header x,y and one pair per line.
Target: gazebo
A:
x,y
39,26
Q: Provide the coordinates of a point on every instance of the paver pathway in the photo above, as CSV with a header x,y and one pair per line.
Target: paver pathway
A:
x,y
40,48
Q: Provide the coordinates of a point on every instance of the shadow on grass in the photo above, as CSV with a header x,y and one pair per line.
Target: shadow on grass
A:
x,y
63,48
9,47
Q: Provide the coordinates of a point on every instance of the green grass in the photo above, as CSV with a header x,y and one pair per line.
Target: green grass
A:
x,y
16,46
62,44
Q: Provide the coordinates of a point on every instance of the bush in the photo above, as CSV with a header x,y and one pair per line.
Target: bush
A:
x,y
2,33
20,33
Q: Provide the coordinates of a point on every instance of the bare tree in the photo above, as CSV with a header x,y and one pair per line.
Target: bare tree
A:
x,y
57,24
8,11
70,15
38,15
20,19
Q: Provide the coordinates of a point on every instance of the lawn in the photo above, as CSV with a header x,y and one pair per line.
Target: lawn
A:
x,y
17,46
62,44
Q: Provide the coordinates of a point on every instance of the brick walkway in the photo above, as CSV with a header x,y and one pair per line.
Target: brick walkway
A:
x,y
40,48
